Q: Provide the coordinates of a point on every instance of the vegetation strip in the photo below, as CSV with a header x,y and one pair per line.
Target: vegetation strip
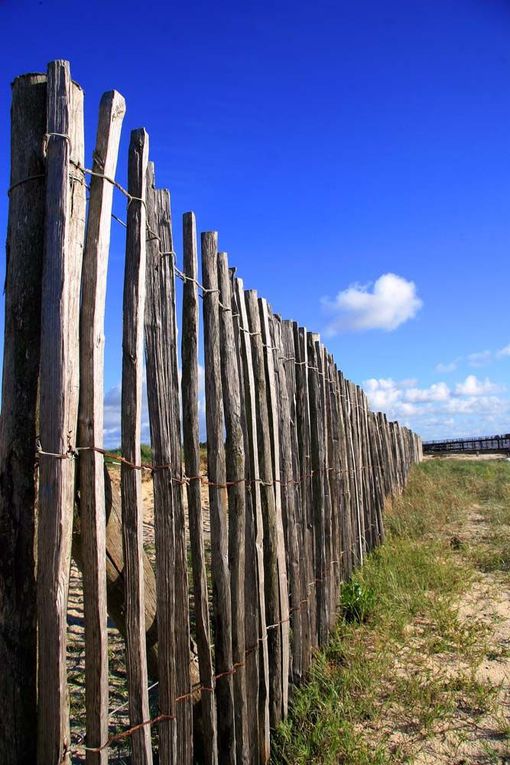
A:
x,y
417,669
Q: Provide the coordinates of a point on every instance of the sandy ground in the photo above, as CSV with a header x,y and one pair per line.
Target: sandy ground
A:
x,y
468,737
482,740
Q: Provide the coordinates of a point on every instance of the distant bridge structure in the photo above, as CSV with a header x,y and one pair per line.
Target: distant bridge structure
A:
x,y
488,444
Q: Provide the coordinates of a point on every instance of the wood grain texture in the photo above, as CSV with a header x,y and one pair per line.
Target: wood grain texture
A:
x,y
59,385
218,502
290,474
255,599
333,486
25,242
158,347
182,623
191,443
91,468
303,429
131,487
268,341
318,486
345,467
235,473
267,495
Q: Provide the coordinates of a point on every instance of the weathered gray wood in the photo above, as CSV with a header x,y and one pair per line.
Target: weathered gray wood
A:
x,y
266,321
303,427
251,610
59,383
354,466
131,487
258,696
182,624
344,467
326,425
317,465
333,487
369,474
361,471
350,493
92,491
182,628
191,442
158,349
236,474
268,511
378,461
25,241
291,492
218,503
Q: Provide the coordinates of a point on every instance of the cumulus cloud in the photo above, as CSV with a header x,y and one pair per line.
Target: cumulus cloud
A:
x,y
503,352
386,304
473,406
472,386
436,392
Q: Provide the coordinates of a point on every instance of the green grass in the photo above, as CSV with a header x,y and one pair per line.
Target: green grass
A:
x,y
382,671
145,449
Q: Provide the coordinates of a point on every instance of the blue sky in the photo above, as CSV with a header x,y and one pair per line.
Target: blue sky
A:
x,y
354,157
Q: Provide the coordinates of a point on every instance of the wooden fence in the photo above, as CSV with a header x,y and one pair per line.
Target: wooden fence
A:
x,y
298,467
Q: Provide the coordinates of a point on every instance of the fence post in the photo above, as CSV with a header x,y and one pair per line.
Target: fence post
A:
x,y
191,442
25,242
266,321
59,384
131,488
290,490
92,489
257,675
218,502
159,342
236,474
303,428
268,510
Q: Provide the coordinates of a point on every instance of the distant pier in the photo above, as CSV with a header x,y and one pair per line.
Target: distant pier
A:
x,y
487,444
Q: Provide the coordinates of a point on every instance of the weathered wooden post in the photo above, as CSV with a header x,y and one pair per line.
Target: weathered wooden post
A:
x,y
257,673
59,386
92,488
236,474
216,471
158,341
131,487
191,444
25,243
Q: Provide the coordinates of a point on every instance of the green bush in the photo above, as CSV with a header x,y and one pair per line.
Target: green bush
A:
x,y
356,601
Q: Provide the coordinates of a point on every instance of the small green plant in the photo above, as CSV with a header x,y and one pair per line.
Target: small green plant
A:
x,y
357,601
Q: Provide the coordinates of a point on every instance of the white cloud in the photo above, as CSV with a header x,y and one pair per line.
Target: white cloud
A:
x,y
480,359
472,386
475,360
391,302
443,369
471,407
436,392
503,352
